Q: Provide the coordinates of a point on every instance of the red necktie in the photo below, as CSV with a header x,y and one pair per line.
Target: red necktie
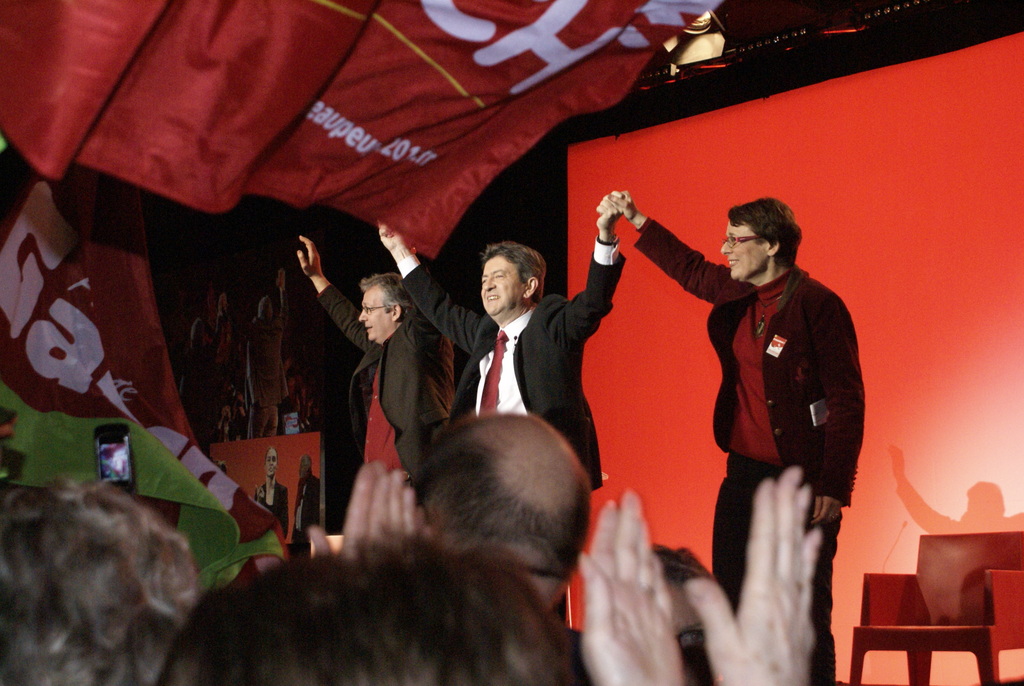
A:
x,y
489,399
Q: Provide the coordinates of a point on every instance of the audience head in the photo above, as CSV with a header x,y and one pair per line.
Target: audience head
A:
x,y
773,221
93,587
416,614
680,565
513,482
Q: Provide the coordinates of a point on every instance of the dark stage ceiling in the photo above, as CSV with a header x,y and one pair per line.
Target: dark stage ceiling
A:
x,y
771,46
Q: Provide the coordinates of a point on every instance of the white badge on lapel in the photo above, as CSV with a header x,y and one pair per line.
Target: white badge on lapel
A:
x,y
775,349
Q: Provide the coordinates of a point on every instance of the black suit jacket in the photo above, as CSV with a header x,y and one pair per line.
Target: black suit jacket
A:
x,y
416,378
280,507
308,496
548,357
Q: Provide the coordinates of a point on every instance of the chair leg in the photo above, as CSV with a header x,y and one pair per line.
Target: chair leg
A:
x,y
856,666
988,665
919,665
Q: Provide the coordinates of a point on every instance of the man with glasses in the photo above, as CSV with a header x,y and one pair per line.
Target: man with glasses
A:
x,y
401,391
791,391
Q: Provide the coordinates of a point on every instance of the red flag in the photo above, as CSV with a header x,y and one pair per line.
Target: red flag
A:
x,y
437,97
434,103
61,61
81,345
178,97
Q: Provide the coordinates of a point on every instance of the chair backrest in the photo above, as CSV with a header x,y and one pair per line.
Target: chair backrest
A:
x,y
951,572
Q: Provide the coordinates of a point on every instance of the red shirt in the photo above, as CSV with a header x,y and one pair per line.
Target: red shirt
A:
x,y
380,435
752,430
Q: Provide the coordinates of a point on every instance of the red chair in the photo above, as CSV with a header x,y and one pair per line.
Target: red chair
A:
x,y
967,595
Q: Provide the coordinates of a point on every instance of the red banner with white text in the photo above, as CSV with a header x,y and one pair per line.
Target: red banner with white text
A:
x,y
81,345
399,111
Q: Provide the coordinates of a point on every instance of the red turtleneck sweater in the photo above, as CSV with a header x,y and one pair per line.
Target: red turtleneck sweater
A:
x,y
751,431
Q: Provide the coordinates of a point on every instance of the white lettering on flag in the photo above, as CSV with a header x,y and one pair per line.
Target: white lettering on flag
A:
x,y
457,23
541,37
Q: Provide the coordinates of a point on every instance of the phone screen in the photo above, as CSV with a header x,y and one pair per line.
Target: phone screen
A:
x,y
114,454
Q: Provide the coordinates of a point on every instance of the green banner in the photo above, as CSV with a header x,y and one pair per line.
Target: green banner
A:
x,y
49,445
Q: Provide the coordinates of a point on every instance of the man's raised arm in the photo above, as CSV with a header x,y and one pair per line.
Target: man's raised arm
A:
x,y
395,245
309,260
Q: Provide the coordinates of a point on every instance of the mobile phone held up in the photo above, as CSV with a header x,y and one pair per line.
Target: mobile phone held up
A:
x,y
114,460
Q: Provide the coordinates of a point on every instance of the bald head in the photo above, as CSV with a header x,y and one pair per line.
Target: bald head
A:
x,y
513,482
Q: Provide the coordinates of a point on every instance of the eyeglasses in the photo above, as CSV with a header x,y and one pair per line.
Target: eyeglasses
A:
x,y
731,241
369,310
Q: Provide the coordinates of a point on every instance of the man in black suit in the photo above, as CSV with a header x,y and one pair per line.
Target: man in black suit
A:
x,y
307,500
530,345
402,389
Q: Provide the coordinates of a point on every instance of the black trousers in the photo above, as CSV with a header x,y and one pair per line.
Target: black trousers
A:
x,y
729,555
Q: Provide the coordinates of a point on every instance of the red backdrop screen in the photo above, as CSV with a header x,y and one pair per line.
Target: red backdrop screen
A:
x,y
908,184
